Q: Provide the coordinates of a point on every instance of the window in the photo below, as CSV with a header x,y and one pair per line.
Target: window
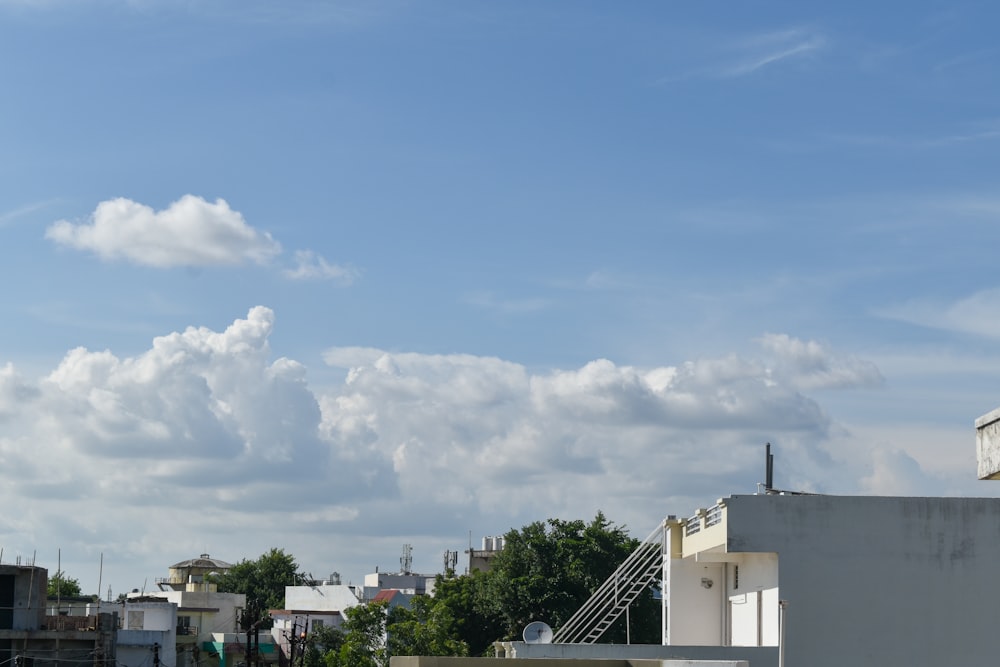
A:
x,y
135,620
318,623
736,577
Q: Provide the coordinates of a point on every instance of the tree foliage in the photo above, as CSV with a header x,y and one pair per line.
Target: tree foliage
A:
x,y
319,642
263,581
62,586
547,570
428,627
364,643
472,621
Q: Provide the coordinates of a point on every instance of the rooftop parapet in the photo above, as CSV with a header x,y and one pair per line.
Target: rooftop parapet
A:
x,y
988,445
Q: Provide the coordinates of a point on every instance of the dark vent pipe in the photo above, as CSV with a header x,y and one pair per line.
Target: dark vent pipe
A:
x,y
769,462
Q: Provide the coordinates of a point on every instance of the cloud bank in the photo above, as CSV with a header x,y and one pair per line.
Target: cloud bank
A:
x,y
206,426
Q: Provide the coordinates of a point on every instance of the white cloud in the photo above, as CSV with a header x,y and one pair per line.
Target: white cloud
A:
x,y
189,232
203,439
810,365
8,217
15,391
768,49
896,473
977,314
310,266
732,57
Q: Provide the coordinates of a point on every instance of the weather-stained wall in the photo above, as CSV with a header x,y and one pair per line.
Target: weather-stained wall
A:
x,y
988,445
879,580
23,591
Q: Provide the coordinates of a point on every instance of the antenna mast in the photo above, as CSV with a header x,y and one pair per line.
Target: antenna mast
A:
x,y
406,560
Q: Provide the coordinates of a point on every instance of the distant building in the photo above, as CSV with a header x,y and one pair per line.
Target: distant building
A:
x,y
31,638
410,583
208,632
148,633
481,560
393,598
188,575
310,607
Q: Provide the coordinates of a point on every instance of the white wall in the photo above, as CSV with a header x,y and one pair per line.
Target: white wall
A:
x,y
694,612
320,598
752,594
230,605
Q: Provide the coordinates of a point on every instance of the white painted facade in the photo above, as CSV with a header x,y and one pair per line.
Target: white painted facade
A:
x,y
407,582
867,580
324,597
204,613
148,629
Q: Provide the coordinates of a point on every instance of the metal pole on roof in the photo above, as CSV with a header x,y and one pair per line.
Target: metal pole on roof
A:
x,y
782,613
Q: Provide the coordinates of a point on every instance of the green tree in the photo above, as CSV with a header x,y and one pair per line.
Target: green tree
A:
x,y
62,586
547,570
428,627
263,581
364,636
319,642
472,623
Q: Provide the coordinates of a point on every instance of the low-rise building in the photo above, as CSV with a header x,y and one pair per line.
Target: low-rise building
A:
x,y
148,634
208,622
30,638
834,580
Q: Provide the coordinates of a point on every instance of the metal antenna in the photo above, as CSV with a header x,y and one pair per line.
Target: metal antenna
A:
x,y
406,560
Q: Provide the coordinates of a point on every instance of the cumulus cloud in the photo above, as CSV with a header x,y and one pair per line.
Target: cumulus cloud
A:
x,y
189,232
896,473
310,266
206,438
15,391
810,365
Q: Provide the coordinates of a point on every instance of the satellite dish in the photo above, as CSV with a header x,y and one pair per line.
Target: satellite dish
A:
x,y
537,632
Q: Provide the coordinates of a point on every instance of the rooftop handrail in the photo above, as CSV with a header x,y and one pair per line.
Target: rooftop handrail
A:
x,y
692,524
714,515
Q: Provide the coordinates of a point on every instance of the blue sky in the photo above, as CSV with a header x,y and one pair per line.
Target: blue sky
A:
x,y
340,276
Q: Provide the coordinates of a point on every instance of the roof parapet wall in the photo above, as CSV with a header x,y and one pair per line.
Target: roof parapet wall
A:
x,y
988,445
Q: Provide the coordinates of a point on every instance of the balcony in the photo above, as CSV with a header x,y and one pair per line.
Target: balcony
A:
x,y
705,530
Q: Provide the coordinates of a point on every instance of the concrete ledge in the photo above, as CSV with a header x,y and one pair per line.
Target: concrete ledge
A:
x,y
988,445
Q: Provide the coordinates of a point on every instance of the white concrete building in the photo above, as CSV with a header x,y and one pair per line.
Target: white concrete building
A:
x,y
410,583
866,580
148,633
207,628
819,580
322,597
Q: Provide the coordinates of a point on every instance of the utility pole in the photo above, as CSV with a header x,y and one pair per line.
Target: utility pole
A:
x,y
292,641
